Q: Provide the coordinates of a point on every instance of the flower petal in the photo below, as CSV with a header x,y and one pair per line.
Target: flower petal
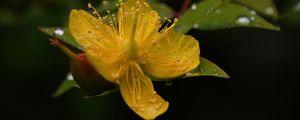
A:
x,y
138,19
172,55
100,41
138,93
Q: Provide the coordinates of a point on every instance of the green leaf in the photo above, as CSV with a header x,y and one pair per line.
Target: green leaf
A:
x,y
220,14
63,34
264,7
162,9
207,68
65,86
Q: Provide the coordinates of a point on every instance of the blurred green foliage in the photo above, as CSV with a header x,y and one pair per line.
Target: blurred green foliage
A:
x,y
32,68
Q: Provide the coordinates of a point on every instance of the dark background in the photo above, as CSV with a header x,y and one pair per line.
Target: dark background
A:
x,y
263,66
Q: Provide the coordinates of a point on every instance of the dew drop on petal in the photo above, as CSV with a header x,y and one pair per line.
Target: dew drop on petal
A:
x,y
194,6
152,100
141,109
58,32
158,106
242,20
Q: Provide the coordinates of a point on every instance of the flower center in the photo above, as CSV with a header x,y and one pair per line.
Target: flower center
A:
x,y
131,46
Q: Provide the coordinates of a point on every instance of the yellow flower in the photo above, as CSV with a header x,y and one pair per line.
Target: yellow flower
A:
x,y
131,48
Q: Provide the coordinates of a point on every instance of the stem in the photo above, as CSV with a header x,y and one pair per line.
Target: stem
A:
x,y
183,8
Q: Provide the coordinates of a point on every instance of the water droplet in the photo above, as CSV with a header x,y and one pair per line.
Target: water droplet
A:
x,y
142,109
59,32
207,11
105,2
137,2
297,7
158,106
194,7
69,76
196,26
252,18
183,68
188,74
152,100
169,83
269,10
252,12
243,20
218,11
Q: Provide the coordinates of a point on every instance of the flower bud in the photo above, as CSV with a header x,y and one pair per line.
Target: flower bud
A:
x,y
87,77
84,74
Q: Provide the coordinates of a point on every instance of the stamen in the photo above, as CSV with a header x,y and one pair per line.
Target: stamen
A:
x,y
166,28
111,19
94,10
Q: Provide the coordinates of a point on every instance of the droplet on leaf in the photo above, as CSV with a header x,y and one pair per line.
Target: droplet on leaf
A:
x,y
269,11
70,76
218,11
196,26
243,20
252,12
58,32
194,7
297,7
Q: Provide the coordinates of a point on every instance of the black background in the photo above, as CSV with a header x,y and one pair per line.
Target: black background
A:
x,y
263,66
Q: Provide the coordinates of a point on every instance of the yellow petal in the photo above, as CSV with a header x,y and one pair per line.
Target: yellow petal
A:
x,y
102,45
138,21
172,55
138,93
